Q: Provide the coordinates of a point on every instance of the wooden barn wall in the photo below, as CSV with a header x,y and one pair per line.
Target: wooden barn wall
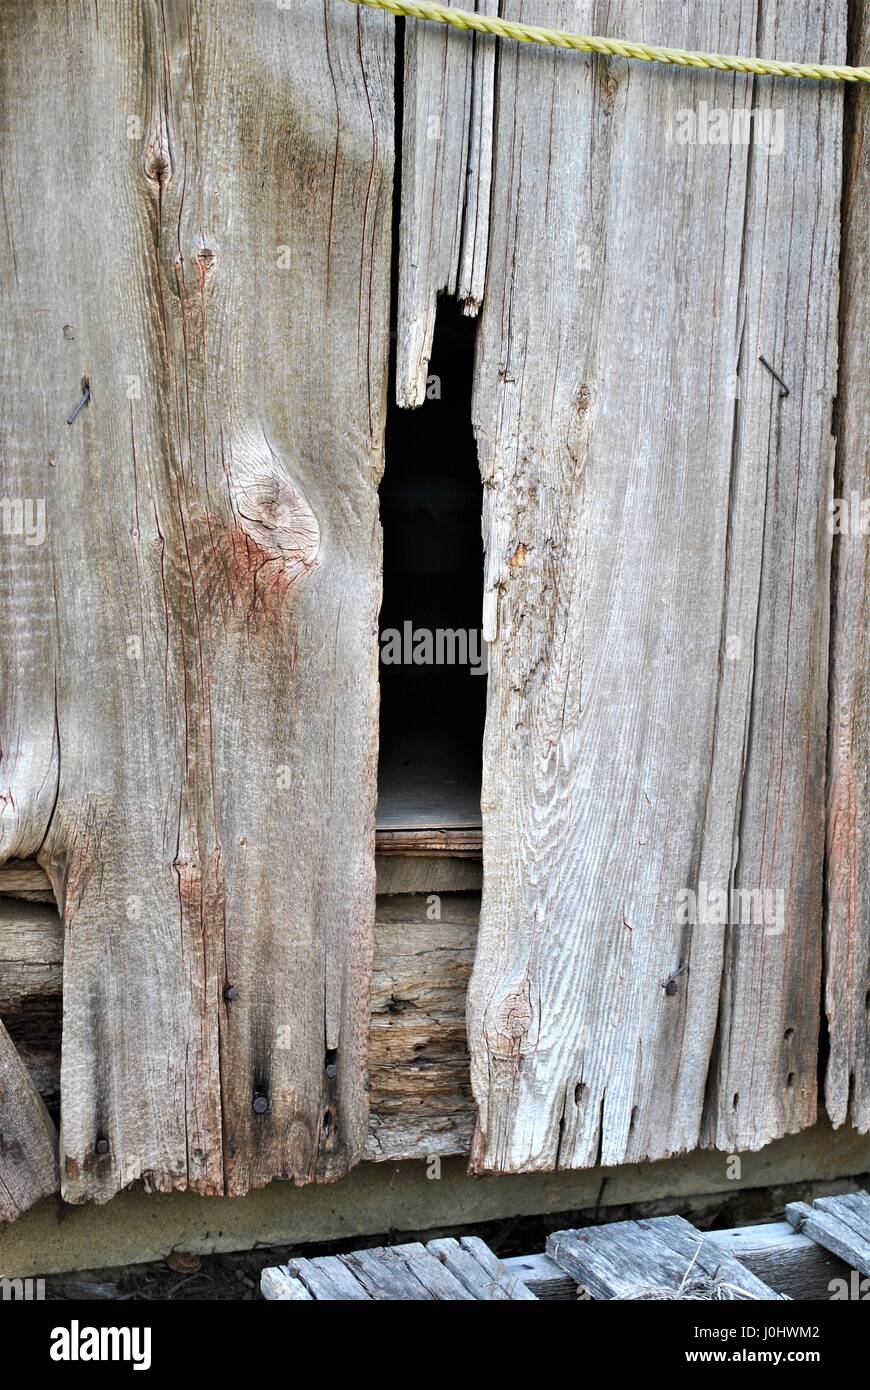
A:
x,y
197,224
657,584
197,205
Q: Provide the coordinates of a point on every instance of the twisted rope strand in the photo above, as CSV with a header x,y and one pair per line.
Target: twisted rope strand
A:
x,y
618,48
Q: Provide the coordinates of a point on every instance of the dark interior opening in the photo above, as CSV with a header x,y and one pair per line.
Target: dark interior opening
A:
x,y
432,708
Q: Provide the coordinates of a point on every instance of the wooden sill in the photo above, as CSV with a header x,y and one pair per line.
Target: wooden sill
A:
x,y
426,807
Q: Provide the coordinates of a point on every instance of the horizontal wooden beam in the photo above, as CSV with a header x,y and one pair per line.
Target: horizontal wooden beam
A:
x,y
24,878
430,841
407,861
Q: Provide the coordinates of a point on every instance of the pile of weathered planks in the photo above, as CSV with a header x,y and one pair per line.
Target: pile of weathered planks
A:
x,y
661,1259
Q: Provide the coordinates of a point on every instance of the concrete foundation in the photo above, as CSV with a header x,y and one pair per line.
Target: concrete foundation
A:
x,y
53,1238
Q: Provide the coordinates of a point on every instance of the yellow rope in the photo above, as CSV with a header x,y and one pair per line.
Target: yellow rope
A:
x,y
583,43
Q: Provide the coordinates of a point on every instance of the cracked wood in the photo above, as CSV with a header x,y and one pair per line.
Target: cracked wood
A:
x,y
420,1096
446,172
197,211
656,594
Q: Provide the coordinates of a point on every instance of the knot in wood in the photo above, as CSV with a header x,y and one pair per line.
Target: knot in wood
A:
x,y
279,520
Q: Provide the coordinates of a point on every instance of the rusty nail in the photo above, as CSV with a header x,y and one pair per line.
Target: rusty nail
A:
x,y
776,376
80,404
670,984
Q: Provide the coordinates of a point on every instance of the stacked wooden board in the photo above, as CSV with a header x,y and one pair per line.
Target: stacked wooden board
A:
x,y
809,1258
462,1270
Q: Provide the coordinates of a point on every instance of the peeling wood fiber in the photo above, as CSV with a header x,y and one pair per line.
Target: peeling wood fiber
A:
x,y
197,206
445,186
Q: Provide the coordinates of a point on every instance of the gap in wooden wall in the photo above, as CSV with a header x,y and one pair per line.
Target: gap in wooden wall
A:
x,y
433,663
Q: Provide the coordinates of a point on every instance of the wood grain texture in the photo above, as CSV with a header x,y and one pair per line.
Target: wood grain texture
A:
x,y
280,1285
656,589
627,1258
197,215
28,1138
428,873
418,1059
847,1001
790,1263
543,1277
25,879
31,957
838,1224
326,1279
420,1098
446,172
397,871
487,1277
464,1271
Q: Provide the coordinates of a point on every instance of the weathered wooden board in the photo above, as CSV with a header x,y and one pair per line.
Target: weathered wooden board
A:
x,y
24,878
656,594
428,873
197,215
482,1272
629,1259
782,1258
446,171
462,1271
280,1285
402,872
420,1094
418,1058
325,1278
847,1085
838,1224
421,1102
28,1138
31,957
543,1277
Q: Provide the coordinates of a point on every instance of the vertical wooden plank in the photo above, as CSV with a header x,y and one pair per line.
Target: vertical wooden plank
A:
x,y
197,215
446,172
764,1079
847,1085
656,589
